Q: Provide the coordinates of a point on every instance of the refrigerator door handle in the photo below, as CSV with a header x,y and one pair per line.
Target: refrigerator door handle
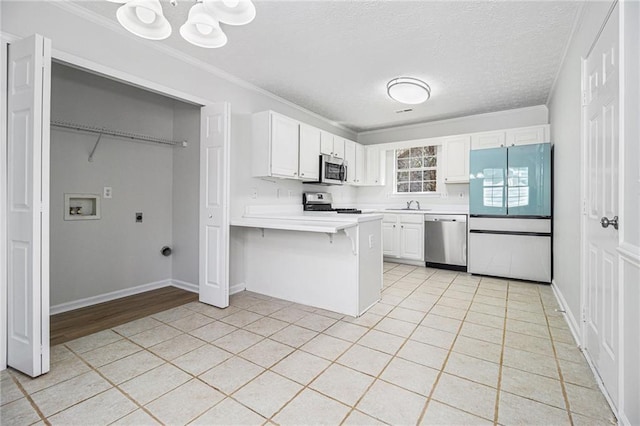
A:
x,y
530,234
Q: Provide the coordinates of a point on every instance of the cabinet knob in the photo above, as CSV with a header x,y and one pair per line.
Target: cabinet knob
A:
x,y
445,179
301,174
394,226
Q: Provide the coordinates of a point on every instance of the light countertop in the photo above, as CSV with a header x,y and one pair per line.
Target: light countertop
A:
x,y
327,222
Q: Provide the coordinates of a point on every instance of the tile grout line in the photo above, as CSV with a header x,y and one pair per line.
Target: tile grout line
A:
x,y
446,360
501,365
114,386
555,356
28,398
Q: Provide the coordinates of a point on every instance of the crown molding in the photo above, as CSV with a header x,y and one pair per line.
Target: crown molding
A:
x,y
455,120
71,7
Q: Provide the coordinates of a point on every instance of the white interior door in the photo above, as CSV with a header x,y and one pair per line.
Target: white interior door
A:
x,y
601,80
214,204
28,205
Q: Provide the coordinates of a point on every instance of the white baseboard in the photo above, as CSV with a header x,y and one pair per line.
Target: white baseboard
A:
x,y
574,325
94,300
193,288
237,288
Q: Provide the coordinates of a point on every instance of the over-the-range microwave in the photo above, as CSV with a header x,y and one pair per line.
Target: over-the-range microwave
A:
x,y
333,171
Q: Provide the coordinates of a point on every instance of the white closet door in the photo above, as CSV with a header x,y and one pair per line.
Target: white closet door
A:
x,y
214,204
28,205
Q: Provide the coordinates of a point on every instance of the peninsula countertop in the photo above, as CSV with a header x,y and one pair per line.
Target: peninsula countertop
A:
x,y
327,222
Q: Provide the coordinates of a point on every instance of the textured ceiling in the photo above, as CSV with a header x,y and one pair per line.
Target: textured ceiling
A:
x,y
335,57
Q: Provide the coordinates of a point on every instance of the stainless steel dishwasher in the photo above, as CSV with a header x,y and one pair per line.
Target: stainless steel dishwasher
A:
x,y
445,241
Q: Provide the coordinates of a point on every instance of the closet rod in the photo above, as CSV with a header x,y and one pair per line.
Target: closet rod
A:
x,y
116,133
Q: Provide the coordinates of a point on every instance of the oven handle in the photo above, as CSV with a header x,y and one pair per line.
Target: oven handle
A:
x,y
343,173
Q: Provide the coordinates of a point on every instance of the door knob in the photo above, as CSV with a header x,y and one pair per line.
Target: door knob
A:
x,y
605,222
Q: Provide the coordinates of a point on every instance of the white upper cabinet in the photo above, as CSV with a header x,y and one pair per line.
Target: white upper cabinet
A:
x,y
527,135
456,159
511,137
275,145
331,144
339,146
309,153
350,160
488,140
360,165
374,175
326,143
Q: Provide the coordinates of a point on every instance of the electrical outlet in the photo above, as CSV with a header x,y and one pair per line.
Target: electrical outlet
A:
x,y
254,193
291,194
371,241
107,191
139,217
278,192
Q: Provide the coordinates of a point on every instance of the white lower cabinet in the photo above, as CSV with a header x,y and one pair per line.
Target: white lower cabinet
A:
x,y
403,236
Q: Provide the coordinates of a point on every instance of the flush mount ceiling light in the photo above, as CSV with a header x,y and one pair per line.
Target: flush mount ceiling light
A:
x,y
408,90
145,18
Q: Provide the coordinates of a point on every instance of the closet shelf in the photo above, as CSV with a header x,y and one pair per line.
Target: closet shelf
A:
x,y
116,133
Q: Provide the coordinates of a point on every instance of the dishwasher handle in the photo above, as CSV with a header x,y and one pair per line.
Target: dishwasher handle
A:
x,y
445,218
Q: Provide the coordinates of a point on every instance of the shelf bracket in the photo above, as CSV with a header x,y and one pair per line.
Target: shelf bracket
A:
x,y
330,235
262,230
93,151
352,234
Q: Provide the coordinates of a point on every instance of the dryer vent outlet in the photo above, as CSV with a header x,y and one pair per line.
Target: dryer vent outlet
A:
x,y
166,251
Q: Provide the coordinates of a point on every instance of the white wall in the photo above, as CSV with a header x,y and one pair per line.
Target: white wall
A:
x,y
186,184
565,119
521,117
94,257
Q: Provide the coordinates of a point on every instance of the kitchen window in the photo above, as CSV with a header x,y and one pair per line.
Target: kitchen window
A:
x,y
416,170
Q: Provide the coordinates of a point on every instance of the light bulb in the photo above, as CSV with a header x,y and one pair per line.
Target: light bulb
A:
x,y
204,29
231,3
145,15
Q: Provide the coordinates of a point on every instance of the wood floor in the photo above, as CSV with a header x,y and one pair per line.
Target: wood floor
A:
x,y
82,322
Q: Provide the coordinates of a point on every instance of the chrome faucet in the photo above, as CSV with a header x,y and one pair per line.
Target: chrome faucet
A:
x,y
411,202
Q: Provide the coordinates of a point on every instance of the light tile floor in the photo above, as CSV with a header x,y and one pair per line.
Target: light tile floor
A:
x,y
440,348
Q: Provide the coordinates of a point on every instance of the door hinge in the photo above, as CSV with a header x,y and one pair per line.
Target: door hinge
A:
x,y
584,98
584,315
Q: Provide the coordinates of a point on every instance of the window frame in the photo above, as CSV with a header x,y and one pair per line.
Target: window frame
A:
x,y
437,169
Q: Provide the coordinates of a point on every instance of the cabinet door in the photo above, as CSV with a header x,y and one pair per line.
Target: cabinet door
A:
x,y
360,171
350,160
326,143
488,140
389,239
338,146
411,241
284,146
374,170
526,136
456,159
309,152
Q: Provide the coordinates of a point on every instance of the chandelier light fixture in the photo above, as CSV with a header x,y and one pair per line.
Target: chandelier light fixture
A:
x,y
408,90
145,18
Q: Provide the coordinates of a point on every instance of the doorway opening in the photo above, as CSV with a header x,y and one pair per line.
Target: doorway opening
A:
x,y
116,202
